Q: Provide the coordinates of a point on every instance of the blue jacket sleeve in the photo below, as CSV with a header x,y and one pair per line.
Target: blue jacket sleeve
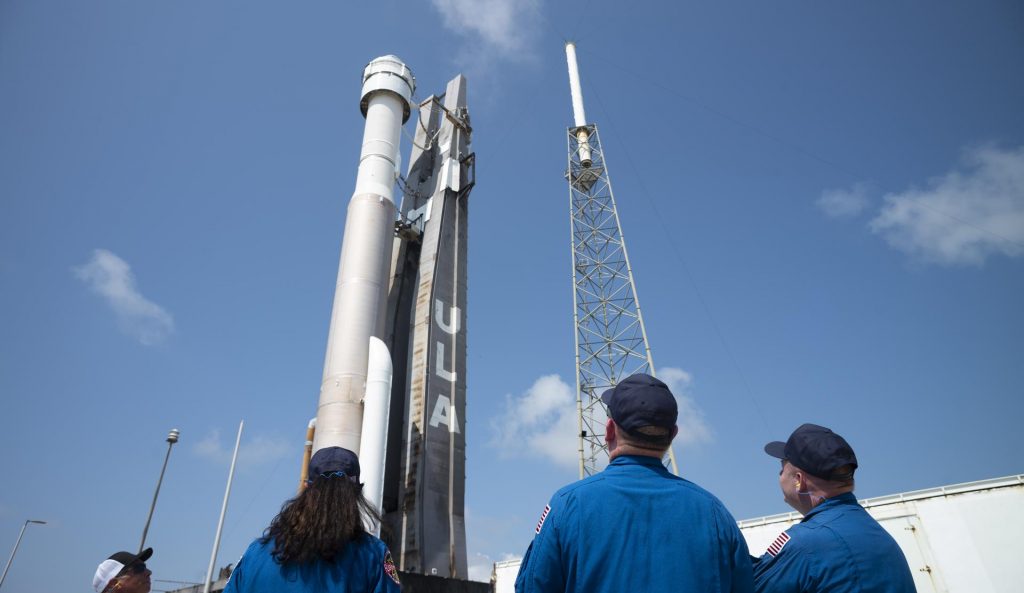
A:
x,y
742,571
387,577
234,579
544,568
237,578
785,572
735,555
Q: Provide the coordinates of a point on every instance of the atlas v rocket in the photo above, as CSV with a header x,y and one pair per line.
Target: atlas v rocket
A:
x,y
394,381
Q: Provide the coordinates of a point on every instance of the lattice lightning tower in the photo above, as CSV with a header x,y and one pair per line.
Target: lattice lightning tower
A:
x,y
611,342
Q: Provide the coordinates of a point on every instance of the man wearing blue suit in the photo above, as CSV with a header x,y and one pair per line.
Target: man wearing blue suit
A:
x,y
635,526
837,547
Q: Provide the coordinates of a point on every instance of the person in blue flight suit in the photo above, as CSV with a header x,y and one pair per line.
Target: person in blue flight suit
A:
x,y
635,526
317,542
837,547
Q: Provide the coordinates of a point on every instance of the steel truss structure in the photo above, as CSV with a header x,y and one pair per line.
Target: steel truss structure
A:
x,y
611,341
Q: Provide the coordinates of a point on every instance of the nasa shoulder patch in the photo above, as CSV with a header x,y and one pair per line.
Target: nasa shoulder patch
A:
x,y
777,545
543,517
389,567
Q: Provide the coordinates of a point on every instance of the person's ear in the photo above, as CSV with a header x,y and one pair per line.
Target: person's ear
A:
x,y
675,431
801,483
609,431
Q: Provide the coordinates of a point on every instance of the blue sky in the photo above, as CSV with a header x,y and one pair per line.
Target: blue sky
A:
x,y
823,202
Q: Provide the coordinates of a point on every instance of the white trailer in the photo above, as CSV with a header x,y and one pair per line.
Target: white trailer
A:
x,y
503,578
964,538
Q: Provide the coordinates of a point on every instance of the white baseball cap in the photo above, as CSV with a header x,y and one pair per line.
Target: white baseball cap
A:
x,y
111,567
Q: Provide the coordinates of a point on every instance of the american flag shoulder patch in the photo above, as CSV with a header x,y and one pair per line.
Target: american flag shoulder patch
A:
x,y
778,544
543,517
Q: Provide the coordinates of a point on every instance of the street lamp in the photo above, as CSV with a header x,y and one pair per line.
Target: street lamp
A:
x,y
16,544
172,437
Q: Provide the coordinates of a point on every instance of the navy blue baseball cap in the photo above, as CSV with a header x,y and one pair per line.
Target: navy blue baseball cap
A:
x,y
334,459
639,401
816,450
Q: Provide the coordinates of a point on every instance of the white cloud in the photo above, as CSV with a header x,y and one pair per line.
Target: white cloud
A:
x,y
487,535
692,427
490,33
964,216
543,421
501,26
255,451
111,277
210,447
480,567
843,203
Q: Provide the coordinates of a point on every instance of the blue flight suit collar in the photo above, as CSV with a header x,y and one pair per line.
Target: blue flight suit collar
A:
x,y
636,460
831,503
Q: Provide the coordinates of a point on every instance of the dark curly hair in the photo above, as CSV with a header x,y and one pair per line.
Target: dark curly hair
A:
x,y
319,522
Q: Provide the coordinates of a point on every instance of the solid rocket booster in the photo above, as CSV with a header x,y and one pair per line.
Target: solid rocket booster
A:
x,y
361,293
373,442
579,115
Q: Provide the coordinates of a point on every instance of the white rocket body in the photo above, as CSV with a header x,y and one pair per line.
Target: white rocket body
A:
x,y
361,292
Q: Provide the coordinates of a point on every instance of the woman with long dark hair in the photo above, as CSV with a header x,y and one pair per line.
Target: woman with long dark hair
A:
x,y
317,542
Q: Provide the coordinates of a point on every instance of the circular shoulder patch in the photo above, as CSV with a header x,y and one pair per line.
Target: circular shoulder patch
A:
x,y
389,567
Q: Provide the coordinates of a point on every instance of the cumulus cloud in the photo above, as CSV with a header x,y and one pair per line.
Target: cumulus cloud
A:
x,y
843,203
693,428
258,450
487,535
491,31
480,567
503,25
542,422
111,277
964,216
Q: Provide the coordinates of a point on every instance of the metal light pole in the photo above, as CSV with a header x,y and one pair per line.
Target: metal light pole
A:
x,y
15,550
223,512
172,438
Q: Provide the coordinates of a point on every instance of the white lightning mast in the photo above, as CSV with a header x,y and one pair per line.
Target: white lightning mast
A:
x,y
611,341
